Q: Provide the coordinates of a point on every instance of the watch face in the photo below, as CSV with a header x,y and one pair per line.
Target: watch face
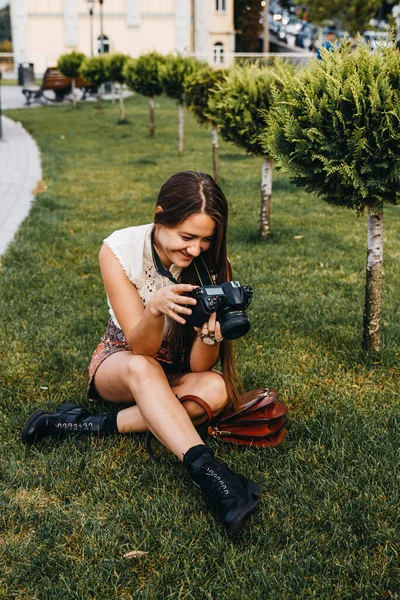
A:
x,y
208,340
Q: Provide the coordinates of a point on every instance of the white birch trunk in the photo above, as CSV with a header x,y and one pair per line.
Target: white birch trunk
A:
x,y
152,125
121,104
266,191
181,126
113,93
73,92
373,284
215,150
99,97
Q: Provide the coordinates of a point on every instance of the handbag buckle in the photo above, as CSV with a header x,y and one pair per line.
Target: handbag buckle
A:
x,y
215,432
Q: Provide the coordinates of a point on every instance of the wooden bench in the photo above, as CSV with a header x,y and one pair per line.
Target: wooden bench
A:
x,y
61,86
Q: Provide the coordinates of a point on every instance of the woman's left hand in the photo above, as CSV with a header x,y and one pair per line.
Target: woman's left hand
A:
x,y
211,328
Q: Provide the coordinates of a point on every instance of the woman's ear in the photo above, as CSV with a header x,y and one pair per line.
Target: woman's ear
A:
x,y
159,209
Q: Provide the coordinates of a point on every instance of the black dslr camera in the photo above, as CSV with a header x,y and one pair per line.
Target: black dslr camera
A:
x,y
229,300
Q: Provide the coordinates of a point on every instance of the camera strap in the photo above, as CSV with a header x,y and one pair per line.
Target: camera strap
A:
x,y
202,270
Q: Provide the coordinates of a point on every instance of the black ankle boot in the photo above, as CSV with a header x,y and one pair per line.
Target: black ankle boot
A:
x,y
67,418
235,496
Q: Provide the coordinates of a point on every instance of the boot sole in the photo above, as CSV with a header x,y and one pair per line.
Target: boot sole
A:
x,y
236,525
25,438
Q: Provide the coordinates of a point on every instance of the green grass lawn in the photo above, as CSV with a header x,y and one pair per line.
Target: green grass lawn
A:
x,y
328,523
15,82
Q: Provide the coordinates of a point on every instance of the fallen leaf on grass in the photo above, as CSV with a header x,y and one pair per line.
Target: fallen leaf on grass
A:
x,y
298,237
135,554
40,187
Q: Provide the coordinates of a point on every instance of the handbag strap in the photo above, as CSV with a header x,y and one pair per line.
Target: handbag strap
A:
x,y
200,402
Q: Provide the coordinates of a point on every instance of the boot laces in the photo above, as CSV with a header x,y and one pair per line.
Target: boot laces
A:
x,y
74,426
217,482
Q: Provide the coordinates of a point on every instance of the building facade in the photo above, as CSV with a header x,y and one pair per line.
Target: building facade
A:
x,y
44,29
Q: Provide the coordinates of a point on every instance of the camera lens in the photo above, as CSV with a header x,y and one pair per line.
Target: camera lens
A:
x,y
234,324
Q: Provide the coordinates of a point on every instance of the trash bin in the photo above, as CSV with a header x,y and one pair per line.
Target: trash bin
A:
x,y
26,74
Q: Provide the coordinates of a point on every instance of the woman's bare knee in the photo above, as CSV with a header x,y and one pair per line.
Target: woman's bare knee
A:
x,y
141,366
215,393
208,386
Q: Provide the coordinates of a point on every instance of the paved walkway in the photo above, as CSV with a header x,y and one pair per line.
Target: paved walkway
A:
x,y
20,168
20,171
12,97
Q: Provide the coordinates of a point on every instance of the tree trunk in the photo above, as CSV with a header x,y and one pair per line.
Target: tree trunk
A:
x,y
73,92
121,104
373,284
99,97
181,114
152,125
113,93
215,148
266,190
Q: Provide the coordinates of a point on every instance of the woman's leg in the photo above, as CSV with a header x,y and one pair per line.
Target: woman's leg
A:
x,y
208,385
125,377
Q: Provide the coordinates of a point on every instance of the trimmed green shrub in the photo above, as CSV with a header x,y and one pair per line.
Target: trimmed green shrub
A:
x,y
115,64
69,65
198,91
143,75
174,72
335,128
237,102
94,70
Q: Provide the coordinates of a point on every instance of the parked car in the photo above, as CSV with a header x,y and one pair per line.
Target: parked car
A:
x,y
377,39
293,25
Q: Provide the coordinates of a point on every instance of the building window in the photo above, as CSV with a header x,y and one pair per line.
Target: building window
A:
x,y
218,53
220,6
106,45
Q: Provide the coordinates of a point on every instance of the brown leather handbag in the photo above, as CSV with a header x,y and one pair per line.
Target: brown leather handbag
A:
x,y
260,421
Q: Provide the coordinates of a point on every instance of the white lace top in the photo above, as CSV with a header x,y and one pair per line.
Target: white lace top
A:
x,y
132,248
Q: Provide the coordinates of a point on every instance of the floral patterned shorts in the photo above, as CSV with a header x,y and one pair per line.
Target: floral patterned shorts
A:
x,y
114,341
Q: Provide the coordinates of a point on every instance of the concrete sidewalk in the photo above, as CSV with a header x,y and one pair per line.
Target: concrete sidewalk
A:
x,y
20,166
12,97
20,171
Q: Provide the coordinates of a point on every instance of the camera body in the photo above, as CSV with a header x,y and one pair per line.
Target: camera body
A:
x,y
229,300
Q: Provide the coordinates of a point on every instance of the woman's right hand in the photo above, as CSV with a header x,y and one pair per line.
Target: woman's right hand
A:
x,y
169,301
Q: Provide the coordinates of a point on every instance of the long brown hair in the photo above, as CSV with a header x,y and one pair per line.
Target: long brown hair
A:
x,y
184,194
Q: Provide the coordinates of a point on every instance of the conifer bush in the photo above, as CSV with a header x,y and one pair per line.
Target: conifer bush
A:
x,y
115,64
198,91
94,70
335,129
143,75
174,72
69,65
238,101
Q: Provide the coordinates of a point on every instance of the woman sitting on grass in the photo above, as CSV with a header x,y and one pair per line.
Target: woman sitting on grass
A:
x,y
149,356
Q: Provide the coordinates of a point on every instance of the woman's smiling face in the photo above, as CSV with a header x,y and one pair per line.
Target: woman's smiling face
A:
x,y
179,245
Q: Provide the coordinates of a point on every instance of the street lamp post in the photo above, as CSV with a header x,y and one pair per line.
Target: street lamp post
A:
x,y
265,5
101,27
91,7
